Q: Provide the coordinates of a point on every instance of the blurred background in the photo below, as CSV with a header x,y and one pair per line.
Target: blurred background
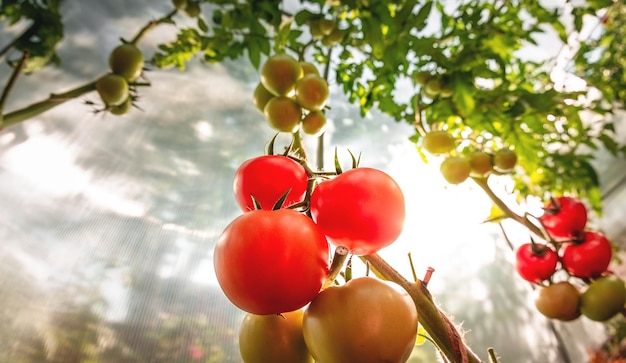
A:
x,y
108,223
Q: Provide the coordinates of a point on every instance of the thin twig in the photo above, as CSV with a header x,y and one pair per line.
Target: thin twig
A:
x,y
11,82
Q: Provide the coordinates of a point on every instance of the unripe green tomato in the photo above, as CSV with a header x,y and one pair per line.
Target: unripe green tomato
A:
x,y
123,108
604,298
504,160
113,89
422,77
314,123
366,320
273,338
283,114
261,96
279,74
438,142
455,169
481,163
432,88
127,61
312,92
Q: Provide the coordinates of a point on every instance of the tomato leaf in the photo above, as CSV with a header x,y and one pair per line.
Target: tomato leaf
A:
x,y
496,215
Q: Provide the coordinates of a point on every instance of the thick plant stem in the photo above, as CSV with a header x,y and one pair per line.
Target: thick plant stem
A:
x,y
54,100
440,328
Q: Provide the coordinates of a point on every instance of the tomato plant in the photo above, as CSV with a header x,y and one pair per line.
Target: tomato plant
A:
x,y
535,263
588,257
603,298
267,178
270,262
564,217
558,301
361,209
365,320
273,338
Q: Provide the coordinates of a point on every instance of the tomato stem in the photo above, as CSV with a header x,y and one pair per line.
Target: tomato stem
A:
x,y
341,253
152,24
436,323
37,108
493,358
11,82
523,220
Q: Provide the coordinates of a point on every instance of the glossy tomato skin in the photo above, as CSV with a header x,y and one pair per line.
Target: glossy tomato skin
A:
x,y
267,178
362,209
535,266
273,338
365,320
589,257
559,301
564,218
603,298
270,262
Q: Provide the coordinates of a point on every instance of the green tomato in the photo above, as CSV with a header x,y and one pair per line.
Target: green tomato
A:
x,y
604,298
113,89
127,61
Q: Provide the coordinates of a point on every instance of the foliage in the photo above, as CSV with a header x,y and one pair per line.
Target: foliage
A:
x,y
495,96
41,36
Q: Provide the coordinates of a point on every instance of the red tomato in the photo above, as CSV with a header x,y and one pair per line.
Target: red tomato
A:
x,y
535,263
270,262
588,257
361,209
268,178
564,218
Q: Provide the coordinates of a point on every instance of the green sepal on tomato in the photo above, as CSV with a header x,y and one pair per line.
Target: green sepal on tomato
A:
x,y
362,209
267,178
366,320
270,262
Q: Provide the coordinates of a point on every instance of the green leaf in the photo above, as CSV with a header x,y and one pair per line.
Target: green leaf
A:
x,y
304,16
496,215
422,15
463,94
203,25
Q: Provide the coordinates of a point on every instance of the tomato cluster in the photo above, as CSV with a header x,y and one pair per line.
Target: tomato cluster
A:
x,y
272,261
126,63
571,268
458,165
292,95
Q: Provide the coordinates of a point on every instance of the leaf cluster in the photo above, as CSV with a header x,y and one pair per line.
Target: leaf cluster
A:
x,y
44,32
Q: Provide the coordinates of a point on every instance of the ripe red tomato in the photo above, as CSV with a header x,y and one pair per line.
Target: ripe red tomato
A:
x,y
564,218
268,178
589,257
366,320
361,209
270,262
535,263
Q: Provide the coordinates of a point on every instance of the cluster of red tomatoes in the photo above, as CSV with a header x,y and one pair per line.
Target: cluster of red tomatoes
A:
x,y
272,261
571,268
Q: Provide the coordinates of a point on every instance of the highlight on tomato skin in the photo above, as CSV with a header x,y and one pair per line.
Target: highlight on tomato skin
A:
x,y
365,320
362,209
267,178
270,262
